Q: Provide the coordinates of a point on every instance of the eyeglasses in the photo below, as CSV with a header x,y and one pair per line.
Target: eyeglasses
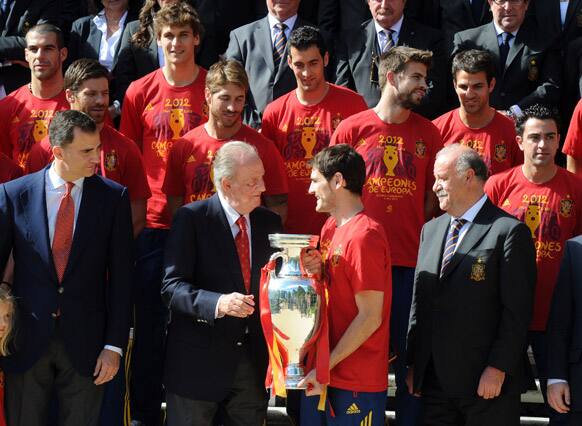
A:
x,y
511,2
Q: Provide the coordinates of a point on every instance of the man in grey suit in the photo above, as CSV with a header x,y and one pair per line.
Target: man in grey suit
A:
x,y
261,47
528,69
359,51
472,304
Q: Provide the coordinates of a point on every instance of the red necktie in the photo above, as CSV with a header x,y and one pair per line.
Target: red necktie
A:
x,y
63,237
242,247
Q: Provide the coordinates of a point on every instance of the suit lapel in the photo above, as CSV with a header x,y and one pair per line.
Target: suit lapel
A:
x,y
94,37
223,239
438,241
18,9
475,233
33,202
257,248
264,44
406,36
570,13
517,47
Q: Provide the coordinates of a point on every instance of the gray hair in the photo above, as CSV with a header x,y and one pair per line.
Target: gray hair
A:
x,y
467,158
229,157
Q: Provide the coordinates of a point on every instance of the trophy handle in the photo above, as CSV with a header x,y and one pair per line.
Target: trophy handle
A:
x,y
278,255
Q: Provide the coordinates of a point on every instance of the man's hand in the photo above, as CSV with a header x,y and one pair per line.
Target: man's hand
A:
x,y
490,383
559,397
312,386
311,260
410,382
236,305
106,367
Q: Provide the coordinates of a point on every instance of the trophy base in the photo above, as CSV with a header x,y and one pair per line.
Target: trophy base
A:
x,y
293,375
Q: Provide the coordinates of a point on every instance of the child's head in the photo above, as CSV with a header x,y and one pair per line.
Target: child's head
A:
x,y
6,319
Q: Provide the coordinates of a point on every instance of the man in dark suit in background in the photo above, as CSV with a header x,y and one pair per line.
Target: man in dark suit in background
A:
x,y
71,236
261,47
472,303
565,336
216,356
528,69
359,51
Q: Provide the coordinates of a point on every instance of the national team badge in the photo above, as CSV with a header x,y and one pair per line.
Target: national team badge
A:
x,y
566,206
111,161
336,121
500,152
420,149
478,270
337,254
533,71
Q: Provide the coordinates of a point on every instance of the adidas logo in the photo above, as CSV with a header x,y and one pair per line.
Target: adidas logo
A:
x,y
506,203
368,420
353,409
191,159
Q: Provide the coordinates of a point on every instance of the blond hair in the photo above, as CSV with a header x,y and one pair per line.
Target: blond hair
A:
x,y
224,72
6,297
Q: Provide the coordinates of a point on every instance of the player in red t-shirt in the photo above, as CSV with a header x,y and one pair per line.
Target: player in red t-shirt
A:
x,y
399,147
548,199
301,122
356,259
87,90
475,123
188,174
27,112
573,143
8,169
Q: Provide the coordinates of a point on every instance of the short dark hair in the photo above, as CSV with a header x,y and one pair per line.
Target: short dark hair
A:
x,y
63,124
539,112
396,59
82,70
342,159
303,38
48,28
473,61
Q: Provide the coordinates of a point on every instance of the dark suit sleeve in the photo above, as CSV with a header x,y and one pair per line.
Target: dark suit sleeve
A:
x,y
343,73
548,91
120,259
411,336
5,229
517,277
179,291
561,319
76,40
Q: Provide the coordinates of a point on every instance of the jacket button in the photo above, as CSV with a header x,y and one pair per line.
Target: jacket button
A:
x,y
61,290
54,315
239,343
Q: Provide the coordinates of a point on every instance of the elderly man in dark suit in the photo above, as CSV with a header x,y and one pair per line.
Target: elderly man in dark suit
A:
x,y
528,69
216,355
472,303
71,236
565,337
261,47
359,51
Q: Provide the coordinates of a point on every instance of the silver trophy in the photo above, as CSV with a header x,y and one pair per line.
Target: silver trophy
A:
x,y
294,302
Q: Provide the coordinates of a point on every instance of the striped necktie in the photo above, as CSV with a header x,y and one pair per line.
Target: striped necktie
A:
x,y
386,40
244,256
63,236
451,244
279,43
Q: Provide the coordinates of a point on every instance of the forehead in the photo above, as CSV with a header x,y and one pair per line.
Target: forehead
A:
x,y
472,78
305,55
84,140
415,68
176,29
230,89
95,84
34,38
250,168
496,7
534,125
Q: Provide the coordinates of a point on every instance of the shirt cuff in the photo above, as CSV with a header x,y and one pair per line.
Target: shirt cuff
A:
x,y
114,349
216,308
554,381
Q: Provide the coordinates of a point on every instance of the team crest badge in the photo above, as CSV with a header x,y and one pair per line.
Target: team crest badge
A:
x,y
336,121
111,161
566,206
478,270
420,149
337,254
533,71
500,152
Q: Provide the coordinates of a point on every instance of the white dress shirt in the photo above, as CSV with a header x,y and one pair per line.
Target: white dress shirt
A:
x,y
469,216
108,46
290,22
563,11
55,189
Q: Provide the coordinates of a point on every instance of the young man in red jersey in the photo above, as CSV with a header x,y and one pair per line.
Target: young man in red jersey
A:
x,y
399,147
302,121
356,263
475,123
549,200
188,176
87,90
159,109
27,112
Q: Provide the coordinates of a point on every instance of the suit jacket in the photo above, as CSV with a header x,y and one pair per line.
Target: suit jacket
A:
x,y
478,313
251,45
94,296
357,57
23,15
532,72
565,323
546,16
201,264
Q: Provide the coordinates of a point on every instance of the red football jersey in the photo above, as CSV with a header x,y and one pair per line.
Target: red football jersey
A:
x,y
8,169
573,143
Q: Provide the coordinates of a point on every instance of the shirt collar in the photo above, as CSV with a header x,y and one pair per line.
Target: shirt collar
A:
x,y
101,22
55,181
231,214
290,22
470,214
500,31
396,27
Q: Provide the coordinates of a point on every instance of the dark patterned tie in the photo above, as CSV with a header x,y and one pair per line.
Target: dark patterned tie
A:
x,y
504,49
451,243
63,236
387,41
242,247
279,43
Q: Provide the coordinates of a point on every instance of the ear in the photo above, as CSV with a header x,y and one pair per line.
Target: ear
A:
x,y
519,141
326,59
289,60
492,85
70,96
64,53
338,181
207,95
391,78
57,152
197,40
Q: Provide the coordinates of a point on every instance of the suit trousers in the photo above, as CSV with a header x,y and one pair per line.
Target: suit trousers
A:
x,y
245,405
28,394
439,409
